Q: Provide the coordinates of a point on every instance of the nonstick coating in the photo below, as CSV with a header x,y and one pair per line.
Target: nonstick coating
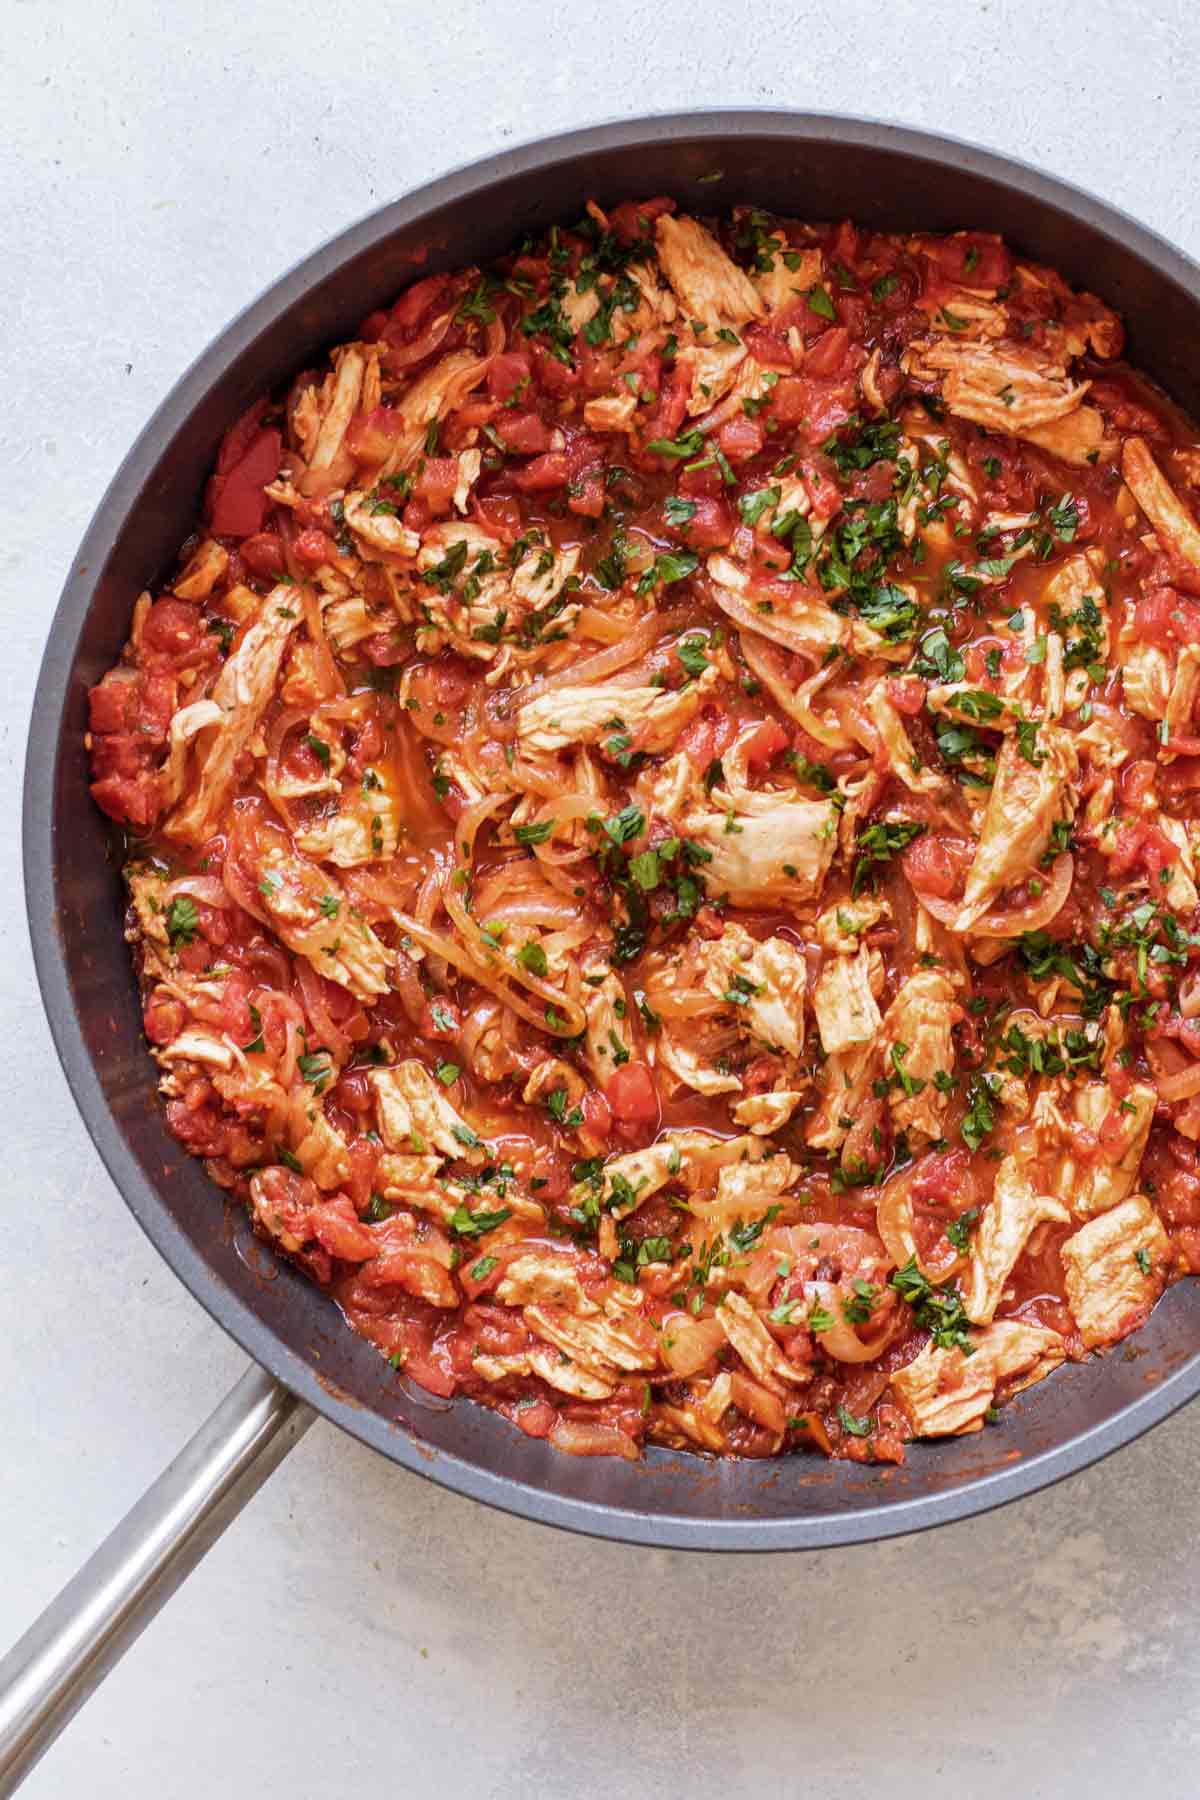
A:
x,y
798,164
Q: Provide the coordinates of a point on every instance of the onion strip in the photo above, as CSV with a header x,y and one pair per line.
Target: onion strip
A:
x,y
822,727
561,1015
1011,921
1179,1086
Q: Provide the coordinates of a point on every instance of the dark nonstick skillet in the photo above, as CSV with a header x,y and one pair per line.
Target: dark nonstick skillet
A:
x,y
307,1362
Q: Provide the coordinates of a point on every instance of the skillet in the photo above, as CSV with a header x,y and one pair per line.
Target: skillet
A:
x,y
304,1361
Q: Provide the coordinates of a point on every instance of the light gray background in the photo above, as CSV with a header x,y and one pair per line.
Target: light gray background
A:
x,y
357,1629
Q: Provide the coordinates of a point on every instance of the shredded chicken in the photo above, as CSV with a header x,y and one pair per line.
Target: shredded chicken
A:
x,y
708,285
1116,1266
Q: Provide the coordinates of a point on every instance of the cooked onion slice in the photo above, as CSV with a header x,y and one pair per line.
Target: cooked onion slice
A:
x,y
1011,921
1181,1085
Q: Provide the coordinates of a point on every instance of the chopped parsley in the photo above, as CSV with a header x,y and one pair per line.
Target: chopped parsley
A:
x,y
878,844
183,921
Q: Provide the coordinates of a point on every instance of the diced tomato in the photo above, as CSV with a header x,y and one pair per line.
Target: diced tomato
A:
x,y
587,497
790,400
1138,780
385,649
708,735
508,374
440,1020
1141,844
706,482
553,375
336,1228
172,626
129,799
314,548
760,1074
524,433
371,437
163,1018
828,355
113,702
671,408
1164,617
767,742
418,300
544,472
907,694
634,219
942,1177
436,483
263,555
768,345
1123,411
501,514
740,438
823,491
632,1095
936,863
198,1127
972,257
239,437
237,502
536,1418
597,1114
416,515
709,526
709,923
1182,777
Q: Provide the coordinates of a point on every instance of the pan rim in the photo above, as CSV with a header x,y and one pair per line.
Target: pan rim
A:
x,y
857,1524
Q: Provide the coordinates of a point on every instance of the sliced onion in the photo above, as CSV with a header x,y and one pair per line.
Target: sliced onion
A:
x,y
770,625
858,1252
825,730
589,1437
490,1020
324,1031
511,973
688,1005
205,888
282,1009
600,625
401,356
894,1219
568,810
240,889
841,1340
687,1343
757,1402
1011,921
1189,994
378,896
328,673
287,721
1180,1086
454,954
406,983
270,963
642,638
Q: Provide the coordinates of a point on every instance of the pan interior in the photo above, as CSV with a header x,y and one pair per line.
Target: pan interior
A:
x,y
813,168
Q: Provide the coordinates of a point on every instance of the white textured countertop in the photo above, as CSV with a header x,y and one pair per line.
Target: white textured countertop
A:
x,y
357,1630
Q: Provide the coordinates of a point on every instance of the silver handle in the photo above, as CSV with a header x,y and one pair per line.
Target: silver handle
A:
x,y
49,1673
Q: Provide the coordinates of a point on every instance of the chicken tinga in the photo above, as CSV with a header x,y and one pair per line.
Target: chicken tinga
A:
x,y
661,811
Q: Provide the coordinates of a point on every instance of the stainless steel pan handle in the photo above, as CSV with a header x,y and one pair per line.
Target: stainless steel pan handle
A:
x,y
66,1653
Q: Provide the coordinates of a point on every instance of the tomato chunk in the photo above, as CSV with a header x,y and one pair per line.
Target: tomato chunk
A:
x,y
237,501
632,1095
